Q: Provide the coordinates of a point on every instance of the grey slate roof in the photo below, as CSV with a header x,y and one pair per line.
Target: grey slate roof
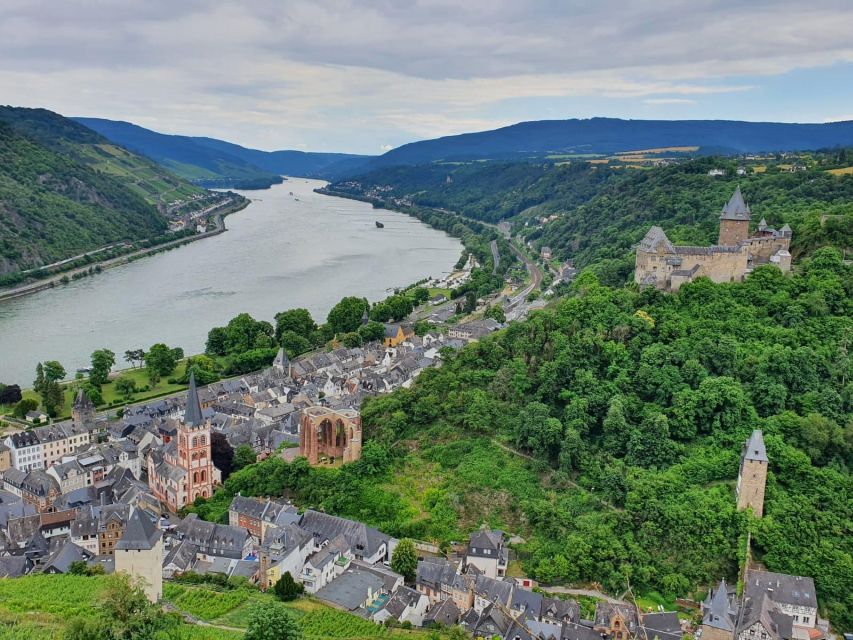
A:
x,y
193,415
493,590
761,609
577,631
735,208
654,238
14,566
365,541
782,588
349,590
755,449
60,560
140,533
718,612
445,613
214,539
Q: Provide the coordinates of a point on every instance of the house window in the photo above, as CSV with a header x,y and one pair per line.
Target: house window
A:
x,y
805,619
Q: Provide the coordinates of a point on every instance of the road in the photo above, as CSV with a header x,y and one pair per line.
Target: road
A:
x,y
535,276
496,256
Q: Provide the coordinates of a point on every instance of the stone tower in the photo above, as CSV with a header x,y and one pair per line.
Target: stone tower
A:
x,y
734,221
194,453
139,553
752,477
83,410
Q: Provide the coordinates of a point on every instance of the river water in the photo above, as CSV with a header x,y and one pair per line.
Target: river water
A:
x,y
282,251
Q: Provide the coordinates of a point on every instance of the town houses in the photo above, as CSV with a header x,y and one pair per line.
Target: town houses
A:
x,y
108,493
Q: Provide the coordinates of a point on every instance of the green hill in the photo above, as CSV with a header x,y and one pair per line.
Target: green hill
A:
x,y
65,190
601,212
605,432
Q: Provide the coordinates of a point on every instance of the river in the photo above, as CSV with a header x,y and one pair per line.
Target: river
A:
x,y
282,251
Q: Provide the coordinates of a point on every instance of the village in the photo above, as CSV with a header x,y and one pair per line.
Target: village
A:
x,y
107,493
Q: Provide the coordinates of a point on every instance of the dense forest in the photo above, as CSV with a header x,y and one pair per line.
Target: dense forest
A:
x,y
601,212
606,432
53,207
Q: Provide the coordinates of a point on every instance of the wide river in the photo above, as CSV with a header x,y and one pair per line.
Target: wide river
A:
x,y
282,251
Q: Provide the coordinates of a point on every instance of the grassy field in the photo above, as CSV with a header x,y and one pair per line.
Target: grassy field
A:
x,y
111,396
846,171
38,607
231,608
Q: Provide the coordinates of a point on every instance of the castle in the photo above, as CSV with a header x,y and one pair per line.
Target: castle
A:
x,y
183,470
663,265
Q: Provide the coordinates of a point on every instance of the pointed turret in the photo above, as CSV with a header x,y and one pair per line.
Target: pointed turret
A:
x,y
762,224
193,415
140,533
365,318
736,208
281,362
755,449
718,613
83,409
82,401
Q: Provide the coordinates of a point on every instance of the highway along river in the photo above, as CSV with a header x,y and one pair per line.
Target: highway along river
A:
x,y
282,251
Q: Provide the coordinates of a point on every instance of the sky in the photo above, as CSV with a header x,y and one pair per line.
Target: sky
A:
x,y
365,77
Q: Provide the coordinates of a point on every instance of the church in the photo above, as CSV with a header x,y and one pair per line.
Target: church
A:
x,y
183,470
666,266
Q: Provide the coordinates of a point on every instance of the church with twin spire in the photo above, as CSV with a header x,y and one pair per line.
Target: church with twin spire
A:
x,y
183,469
661,264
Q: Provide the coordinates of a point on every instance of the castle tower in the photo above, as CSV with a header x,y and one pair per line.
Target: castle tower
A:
x,y
719,613
139,553
83,410
194,453
281,364
734,221
752,477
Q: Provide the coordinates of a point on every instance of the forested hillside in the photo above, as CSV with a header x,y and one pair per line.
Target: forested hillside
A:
x,y
610,135
602,212
53,207
606,432
217,163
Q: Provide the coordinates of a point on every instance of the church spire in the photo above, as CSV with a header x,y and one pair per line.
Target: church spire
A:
x,y
192,415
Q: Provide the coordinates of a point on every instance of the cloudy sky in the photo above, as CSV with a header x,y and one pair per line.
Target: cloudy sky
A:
x,y
338,75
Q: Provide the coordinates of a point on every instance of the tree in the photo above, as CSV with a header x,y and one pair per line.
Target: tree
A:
x,y
496,313
94,393
53,371
294,344
133,356
126,387
244,455
405,559
272,622
222,454
470,302
38,383
372,331
347,314
287,589
160,361
25,406
102,363
216,342
52,398
10,394
299,321
352,339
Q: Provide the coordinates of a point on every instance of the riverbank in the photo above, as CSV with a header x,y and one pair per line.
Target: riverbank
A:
x,y
61,277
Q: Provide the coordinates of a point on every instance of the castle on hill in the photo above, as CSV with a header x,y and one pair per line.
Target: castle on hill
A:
x,y
663,265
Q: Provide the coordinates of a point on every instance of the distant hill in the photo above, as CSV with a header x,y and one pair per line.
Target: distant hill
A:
x,y
217,163
187,157
65,190
610,135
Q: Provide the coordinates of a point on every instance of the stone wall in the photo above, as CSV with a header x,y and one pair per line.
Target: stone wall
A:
x,y
750,486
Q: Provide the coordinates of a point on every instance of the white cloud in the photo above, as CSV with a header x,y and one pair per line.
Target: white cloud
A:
x,y
669,101
343,75
385,147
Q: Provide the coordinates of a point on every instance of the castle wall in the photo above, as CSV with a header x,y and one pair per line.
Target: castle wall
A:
x,y
722,266
763,247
